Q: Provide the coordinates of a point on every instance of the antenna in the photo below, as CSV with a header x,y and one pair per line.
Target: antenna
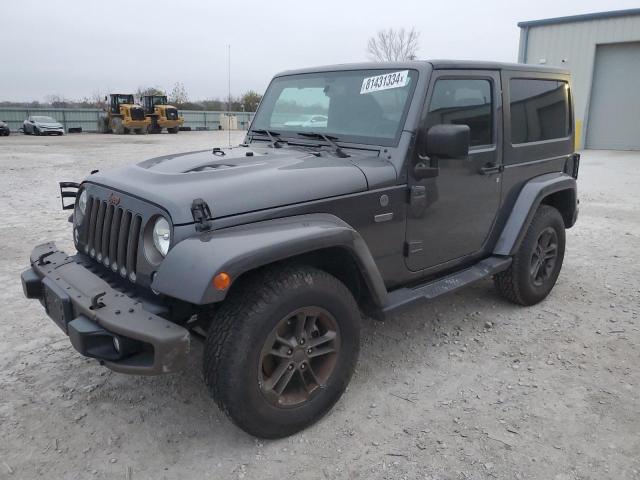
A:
x,y
229,95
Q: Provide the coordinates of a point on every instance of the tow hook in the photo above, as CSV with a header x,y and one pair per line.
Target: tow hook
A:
x,y
96,301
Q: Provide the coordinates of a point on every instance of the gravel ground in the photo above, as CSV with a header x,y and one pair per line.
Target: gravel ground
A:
x,y
468,387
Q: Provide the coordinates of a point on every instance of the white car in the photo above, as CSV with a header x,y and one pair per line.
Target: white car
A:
x,y
308,121
41,125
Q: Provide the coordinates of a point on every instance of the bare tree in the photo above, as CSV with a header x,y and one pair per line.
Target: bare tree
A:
x,y
178,95
393,45
151,90
57,101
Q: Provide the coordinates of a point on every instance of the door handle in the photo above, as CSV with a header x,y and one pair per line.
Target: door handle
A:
x,y
491,168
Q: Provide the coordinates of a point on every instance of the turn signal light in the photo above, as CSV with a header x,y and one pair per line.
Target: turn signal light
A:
x,y
222,281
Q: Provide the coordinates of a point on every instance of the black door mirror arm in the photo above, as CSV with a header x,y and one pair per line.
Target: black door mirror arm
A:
x,y
427,167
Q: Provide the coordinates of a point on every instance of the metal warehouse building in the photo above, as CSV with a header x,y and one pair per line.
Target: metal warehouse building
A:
x,y
602,51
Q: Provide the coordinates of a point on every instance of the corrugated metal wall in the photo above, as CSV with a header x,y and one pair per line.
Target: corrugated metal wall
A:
x,y
88,118
573,46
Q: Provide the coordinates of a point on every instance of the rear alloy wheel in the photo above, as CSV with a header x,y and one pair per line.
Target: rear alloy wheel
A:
x,y
544,257
537,263
281,349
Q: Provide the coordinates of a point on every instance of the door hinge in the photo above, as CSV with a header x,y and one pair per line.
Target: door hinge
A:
x,y
412,247
201,214
417,200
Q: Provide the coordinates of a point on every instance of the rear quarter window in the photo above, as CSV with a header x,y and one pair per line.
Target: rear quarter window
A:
x,y
539,110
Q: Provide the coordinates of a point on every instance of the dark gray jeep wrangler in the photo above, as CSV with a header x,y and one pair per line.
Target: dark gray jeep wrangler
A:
x,y
358,188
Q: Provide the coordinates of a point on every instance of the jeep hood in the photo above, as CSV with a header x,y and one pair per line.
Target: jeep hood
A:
x,y
243,179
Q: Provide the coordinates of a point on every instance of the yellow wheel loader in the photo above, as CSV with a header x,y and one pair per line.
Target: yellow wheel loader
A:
x,y
161,114
123,115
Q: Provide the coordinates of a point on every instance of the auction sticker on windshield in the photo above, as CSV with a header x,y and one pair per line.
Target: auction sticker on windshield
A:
x,y
385,82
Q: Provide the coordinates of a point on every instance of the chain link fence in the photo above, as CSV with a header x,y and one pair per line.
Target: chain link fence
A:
x,y
87,118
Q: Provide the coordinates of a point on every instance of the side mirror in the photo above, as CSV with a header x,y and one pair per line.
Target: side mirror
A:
x,y
448,141
441,141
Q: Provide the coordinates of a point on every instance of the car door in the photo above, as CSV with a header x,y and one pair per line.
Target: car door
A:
x,y
452,214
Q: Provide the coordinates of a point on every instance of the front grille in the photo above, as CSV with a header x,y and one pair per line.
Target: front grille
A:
x,y
113,236
172,114
137,113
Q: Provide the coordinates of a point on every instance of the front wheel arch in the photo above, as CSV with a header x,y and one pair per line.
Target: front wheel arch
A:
x,y
245,248
339,262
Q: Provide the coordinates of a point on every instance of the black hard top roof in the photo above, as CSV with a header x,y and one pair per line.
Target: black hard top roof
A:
x,y
422,65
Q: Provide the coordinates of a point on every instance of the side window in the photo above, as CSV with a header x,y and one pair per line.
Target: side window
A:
x,y
464,102
539,110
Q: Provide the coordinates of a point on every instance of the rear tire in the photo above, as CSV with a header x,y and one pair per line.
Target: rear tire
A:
x,y
295,329
104,125
173,130
537,263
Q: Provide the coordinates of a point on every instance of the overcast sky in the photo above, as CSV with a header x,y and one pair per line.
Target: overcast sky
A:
x,y
78,48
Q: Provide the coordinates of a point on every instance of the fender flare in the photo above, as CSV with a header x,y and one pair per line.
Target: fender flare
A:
x,y
188,269
528,201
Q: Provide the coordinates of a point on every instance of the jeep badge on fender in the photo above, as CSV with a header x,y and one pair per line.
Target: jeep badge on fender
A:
x,y
359,190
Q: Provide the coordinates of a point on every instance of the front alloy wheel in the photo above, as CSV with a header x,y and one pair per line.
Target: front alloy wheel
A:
x,y
299,356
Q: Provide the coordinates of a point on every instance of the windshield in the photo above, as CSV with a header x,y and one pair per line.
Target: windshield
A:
x,y
44,119
359,106
124,99
159,100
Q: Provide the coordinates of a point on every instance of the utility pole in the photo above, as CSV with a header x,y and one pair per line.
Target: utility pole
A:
x,y
229,95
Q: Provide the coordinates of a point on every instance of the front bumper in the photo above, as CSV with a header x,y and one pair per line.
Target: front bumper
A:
x,y
135,124
92,314
164,123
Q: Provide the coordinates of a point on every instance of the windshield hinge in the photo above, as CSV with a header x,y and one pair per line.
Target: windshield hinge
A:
x,y
201,214
68,190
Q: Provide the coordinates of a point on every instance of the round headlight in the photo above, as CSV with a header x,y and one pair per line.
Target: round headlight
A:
x,y
162,235
82,202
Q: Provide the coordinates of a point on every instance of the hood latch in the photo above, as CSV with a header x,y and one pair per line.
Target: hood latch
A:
x,y
201,214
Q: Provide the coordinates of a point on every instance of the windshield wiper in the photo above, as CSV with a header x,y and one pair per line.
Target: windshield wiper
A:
x,y
271,134
337,149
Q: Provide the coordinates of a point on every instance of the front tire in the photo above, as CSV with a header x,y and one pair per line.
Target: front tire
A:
x,y
282,349
536,266
117,127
